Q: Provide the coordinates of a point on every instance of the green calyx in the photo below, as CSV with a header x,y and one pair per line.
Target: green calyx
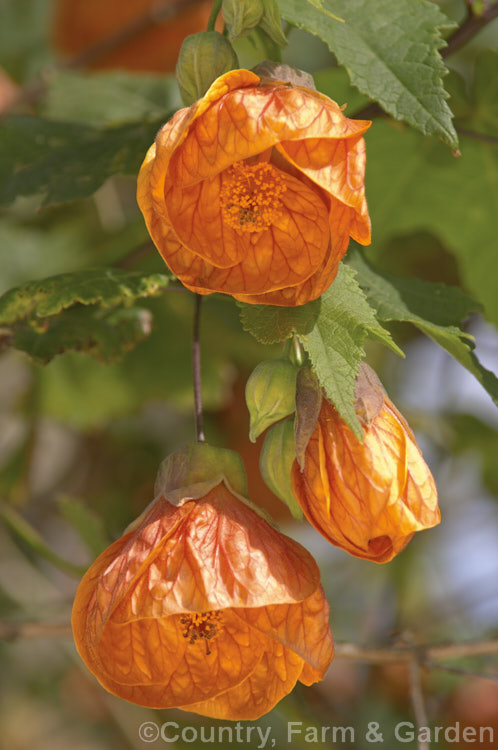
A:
x,y
191,472
275,463
270,394
242,17
203,58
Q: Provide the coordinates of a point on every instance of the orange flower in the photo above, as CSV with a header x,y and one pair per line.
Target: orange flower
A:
x,y
81,24
205,607
367,498
255,190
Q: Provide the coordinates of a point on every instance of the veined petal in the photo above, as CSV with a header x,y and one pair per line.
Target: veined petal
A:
x,y
150,659
250,120
289,250
340,219
164,616
302,628
370,497
338,167
273,678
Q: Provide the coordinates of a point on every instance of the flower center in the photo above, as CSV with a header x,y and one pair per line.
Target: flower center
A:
x,y
250,196
202,625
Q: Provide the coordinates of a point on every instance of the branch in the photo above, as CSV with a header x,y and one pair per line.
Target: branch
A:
x,y
158,13
12,630
421,653
469,28
196,366
418,702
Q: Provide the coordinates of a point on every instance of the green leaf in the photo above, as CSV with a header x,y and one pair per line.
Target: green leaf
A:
x,y
335,345
66,161
390,50
24,33
472,436
32,538
270,324
477,109
334,83
415,184
105,287
89,526
113,97
435,309
107,336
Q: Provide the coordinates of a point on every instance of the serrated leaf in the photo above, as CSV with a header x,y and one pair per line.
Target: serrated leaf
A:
x,y
435,309
66,161
415,184
106,336
335,83
390,50
270,324
110,97
105,287
335,345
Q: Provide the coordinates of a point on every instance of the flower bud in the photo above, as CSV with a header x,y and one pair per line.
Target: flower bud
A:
x,y
275,463
270,394
241,17
203,57
270,23
366,497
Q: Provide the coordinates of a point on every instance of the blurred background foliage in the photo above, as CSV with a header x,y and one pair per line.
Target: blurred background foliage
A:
x,y
81,437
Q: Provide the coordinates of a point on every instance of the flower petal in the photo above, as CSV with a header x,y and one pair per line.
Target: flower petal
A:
x,y
250,120
337,166
150,663
273,678
340,220
302,628
290,250
370,497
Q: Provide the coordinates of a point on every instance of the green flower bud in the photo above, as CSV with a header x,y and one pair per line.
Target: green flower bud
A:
x,y
270,394
241,17
203,58
275,463
270,23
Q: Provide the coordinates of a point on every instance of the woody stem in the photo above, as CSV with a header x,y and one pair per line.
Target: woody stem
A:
x,y
196,367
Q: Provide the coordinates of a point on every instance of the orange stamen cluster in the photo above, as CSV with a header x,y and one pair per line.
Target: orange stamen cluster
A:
x,y
202,625
250,196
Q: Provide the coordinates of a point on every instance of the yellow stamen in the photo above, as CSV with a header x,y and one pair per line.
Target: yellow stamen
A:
x,y
250,196
202,625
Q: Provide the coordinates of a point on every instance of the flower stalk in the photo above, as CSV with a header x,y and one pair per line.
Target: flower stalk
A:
x,y
196,367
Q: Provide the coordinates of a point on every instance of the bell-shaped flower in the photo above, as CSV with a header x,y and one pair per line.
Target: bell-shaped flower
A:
x,y
203,604
366,497
255,190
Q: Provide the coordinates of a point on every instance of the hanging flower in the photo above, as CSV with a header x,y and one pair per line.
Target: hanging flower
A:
x,y
205,607
256,189
366,497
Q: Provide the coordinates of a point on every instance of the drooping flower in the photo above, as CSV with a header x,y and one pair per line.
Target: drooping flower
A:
x,y
256,189
204,606
366,497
